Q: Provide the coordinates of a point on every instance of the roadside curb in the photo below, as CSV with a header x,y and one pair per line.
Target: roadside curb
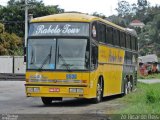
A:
x,y
12,77
149,81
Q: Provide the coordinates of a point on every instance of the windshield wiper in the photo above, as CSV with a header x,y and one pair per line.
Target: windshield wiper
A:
x,y
64,62
46,59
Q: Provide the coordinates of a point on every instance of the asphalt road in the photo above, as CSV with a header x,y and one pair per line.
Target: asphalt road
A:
x,y
14,101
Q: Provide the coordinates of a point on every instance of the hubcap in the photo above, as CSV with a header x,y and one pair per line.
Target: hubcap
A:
x,y
126,89
99,92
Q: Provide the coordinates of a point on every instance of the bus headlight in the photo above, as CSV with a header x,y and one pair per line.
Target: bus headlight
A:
x,y
29,90
79,90
36,89
72,90
32,89
76,90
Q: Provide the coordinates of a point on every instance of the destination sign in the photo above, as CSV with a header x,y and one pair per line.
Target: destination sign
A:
x,y
59,29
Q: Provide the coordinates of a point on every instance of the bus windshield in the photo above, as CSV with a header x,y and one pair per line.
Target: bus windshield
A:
x,y
41,51
58,54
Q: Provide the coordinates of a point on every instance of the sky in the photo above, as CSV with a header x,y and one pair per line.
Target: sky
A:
x,y
105,7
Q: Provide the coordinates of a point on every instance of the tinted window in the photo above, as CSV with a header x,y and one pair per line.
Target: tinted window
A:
x,y
122,39
102,33
128,58
128,41
94,56
118,37
114,37
109,32
133,40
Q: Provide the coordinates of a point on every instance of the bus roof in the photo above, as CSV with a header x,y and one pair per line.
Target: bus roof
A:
x,y
75,17
65,17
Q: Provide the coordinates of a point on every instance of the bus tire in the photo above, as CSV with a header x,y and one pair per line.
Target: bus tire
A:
x,y
99,93
46,100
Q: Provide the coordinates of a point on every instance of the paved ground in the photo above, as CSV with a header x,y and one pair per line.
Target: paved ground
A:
x,y
149,81
14,101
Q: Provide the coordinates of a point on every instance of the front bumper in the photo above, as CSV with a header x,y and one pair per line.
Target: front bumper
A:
x,y
44,90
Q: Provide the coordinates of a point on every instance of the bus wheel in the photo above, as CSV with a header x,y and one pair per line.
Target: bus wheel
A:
x,y
47,100
99,93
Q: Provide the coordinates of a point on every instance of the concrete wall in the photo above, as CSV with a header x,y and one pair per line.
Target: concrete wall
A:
x,y
19,65
12,64
6,64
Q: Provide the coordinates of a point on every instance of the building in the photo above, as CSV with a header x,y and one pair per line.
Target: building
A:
x,y
148,64
148,59
137,23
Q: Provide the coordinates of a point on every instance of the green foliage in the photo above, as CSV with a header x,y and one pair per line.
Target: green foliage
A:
x,y
123,8
151,76
99,15
10,44
152,96
1,28
118,20
148,37
146,100
13,14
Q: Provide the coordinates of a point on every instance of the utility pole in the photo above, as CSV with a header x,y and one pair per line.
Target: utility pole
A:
x,y
26,23
26,29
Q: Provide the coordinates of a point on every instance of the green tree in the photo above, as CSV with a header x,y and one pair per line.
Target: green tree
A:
x,y
13,14
99,15
123,9
118,20
1,28
10,44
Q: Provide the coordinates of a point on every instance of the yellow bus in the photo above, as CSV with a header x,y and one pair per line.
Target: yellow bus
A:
x,y
74,55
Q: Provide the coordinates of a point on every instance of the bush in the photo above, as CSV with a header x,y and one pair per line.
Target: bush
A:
x,y
152,96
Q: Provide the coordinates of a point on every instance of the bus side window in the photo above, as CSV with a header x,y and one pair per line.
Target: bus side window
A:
x,y
101,33
133,43
94,57
122,39
109,37
118,37
128,41
114,37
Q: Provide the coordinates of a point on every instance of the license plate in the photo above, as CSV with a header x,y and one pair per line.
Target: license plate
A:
x,y
54,89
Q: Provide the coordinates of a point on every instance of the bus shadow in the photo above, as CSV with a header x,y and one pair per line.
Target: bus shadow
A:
x,y
70,103
79,102
109,98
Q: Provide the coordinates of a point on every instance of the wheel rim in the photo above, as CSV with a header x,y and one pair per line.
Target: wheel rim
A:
x,y
126,89
99,92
